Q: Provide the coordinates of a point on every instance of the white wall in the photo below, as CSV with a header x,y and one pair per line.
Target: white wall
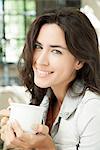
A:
x,y
95,4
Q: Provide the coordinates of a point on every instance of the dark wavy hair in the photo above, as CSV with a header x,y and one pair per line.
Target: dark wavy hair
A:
x,y
81,40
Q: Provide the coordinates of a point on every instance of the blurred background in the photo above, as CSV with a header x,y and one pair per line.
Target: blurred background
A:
x,y
15,19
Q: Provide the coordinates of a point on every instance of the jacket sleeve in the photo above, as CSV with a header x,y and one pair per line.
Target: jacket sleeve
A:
x,y
89,125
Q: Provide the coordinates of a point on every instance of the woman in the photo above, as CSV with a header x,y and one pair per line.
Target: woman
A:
x,y
60,66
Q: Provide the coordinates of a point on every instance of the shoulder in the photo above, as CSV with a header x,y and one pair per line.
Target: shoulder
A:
x,y
90,102
88,111
89,95
90,99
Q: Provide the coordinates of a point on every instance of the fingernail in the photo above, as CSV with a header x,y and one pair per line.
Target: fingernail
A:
x,y
34,128
10,100
9,108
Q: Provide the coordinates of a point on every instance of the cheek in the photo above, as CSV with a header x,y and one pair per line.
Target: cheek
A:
x,y
34,58
66,65
67,68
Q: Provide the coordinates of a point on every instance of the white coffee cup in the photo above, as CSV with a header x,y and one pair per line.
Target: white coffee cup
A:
x,y
26,115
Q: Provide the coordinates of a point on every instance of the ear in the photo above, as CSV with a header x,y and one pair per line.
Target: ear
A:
x,y
79,65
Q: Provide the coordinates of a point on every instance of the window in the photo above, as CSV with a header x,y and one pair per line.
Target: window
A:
x,y
15,18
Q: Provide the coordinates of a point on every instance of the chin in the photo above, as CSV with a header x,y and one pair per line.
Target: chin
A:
x,y
41,85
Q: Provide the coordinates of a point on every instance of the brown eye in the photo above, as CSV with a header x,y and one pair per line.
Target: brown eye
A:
x,y
55,51
37,46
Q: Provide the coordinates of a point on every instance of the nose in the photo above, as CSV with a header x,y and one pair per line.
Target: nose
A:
x,y
43,58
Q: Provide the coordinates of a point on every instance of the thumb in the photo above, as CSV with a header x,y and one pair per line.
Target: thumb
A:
x,y
5,112
10,100
40,128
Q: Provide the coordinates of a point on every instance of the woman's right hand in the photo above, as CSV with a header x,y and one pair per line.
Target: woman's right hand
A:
x,y
4,114
4,117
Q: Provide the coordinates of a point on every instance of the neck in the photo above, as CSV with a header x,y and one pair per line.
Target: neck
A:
x,y
59,93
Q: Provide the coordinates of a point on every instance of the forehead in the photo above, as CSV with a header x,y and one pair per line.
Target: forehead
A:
x,y
51,34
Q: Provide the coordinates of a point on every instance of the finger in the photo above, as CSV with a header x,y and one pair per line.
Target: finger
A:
x,y
43,129
2,137
10,100
9,130
39,128
4,112
9,136
17,128
2,132
4,121
16,140
20,145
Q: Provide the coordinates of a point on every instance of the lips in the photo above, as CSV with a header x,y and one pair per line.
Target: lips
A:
x,y
42,73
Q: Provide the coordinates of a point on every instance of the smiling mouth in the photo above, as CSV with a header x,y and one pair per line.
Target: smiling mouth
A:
x,y
41,73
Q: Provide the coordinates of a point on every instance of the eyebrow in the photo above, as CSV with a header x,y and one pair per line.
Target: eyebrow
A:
x,y
38,43
53,46
58,46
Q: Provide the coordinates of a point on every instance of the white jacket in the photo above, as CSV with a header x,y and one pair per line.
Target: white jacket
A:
x,y
78,122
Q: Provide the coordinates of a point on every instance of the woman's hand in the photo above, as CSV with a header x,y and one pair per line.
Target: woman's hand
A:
x,y
39,139
3,123
4,117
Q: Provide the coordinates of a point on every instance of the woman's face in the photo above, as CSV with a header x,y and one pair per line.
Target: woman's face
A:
x,y
53,65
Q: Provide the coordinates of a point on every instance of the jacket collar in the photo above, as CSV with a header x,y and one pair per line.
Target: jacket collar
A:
x,y
69,105
71,100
